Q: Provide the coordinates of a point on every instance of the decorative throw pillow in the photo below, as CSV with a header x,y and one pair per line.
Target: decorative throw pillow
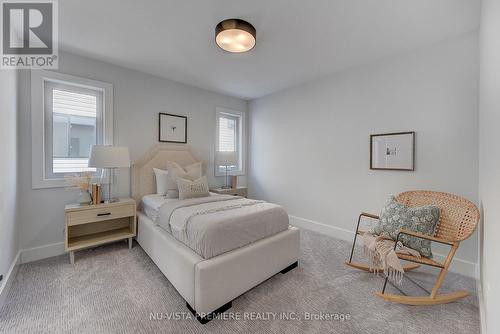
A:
x,y
191,189
421,219
191,172
161,176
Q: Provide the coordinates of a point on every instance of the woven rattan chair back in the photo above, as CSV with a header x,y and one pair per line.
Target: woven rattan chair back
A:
x,y
459,216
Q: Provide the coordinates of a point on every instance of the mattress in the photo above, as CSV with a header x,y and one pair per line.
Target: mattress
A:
x,y
217,224
151,205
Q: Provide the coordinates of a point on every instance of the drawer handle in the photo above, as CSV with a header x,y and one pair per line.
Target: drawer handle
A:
x,y
103,214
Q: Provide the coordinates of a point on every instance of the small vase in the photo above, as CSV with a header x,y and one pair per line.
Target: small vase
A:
x,y
84,198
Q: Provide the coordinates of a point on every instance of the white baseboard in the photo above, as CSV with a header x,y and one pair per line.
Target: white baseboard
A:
x,y
42,252
9,278
482,307
332,231
458,265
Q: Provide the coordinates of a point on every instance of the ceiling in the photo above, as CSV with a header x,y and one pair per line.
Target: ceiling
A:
x,y
297,40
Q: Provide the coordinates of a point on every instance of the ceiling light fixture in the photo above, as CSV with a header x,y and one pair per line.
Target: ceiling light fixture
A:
x,y
235,35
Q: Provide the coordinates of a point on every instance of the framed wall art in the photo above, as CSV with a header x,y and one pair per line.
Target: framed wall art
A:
x,y
172,128
393,151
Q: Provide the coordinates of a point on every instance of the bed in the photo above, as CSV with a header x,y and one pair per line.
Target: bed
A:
x,y
207,283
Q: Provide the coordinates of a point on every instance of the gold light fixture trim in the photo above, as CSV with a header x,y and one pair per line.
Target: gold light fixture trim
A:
x,y
235,35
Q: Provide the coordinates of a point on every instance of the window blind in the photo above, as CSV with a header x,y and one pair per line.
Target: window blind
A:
x,y
227,134
74,123
73,103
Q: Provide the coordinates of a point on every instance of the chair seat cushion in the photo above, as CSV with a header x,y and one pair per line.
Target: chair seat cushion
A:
x,y
395,216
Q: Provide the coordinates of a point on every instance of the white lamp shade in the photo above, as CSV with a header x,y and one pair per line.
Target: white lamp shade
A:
x,y
226,158
108,156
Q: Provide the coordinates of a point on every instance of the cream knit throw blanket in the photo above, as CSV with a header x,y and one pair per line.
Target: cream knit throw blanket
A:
x,y
380,251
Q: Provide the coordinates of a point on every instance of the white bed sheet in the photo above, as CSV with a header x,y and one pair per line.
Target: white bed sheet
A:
x,y
151,205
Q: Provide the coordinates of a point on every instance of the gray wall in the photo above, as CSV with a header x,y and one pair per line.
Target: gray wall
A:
x,y
8,173
310,144
489,160
138,98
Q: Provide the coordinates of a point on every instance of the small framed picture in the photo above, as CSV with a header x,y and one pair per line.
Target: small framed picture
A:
x,y
393,151
172,128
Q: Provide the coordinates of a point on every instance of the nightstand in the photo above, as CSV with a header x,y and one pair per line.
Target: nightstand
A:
x,y
92,225
239,191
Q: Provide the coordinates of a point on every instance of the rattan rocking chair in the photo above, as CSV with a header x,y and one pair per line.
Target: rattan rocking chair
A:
x,y
458,220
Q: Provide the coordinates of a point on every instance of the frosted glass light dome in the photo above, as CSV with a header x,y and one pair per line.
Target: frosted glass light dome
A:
x,y
235,35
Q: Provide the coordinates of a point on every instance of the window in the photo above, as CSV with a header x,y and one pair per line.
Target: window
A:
x,y
69,115
230,138
73,123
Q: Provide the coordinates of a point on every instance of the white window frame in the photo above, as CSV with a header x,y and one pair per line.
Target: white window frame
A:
x,y
38,154
241,144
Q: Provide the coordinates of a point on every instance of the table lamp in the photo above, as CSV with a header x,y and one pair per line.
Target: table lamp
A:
x,y
109,157
226,159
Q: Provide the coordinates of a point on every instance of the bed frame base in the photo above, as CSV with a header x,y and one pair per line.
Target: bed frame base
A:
x,y
212,315
290,267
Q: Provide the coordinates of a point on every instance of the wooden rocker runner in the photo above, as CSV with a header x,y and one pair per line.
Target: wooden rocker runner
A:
x,y
458,220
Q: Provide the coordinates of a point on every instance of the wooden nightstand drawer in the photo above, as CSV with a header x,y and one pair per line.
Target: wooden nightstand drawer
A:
x,y
100,214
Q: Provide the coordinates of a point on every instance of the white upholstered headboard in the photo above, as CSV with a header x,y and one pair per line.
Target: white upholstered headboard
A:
x,y
143,178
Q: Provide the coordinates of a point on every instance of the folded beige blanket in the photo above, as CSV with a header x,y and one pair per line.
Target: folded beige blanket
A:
x,y
381,253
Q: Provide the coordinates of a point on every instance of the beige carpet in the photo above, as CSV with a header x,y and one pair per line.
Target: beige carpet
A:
x,y
112,289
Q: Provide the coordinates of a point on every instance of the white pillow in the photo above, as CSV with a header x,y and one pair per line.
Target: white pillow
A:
x,y
161,176
172,193
191,172
191,189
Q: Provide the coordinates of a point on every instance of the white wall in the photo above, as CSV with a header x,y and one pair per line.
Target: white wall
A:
x,y
138,98
8,170
489,160
309,145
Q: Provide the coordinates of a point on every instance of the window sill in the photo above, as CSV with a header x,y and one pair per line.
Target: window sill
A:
x,y
55,183
49,183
